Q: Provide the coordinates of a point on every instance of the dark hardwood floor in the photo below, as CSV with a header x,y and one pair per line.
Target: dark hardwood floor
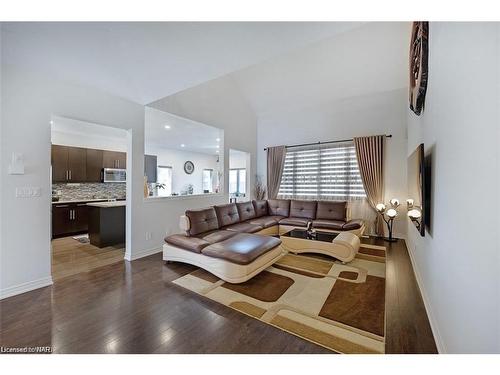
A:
x,y
134,308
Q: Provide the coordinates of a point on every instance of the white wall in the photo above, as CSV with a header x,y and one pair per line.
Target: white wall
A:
x,y
71,132
176,160
30,100
218,103
237,159
457,262
89,141
381,113
29,103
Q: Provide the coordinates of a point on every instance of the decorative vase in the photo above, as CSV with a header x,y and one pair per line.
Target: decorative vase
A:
x,y
146,188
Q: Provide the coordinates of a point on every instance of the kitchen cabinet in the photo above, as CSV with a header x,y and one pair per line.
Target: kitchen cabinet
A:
x,y
77,164
69,218
59,161
106,224
61,220
94,165
114,159
69,164
80,218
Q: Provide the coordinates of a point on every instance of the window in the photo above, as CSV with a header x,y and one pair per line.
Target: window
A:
x,y
237,181
165,178
322,172
207,180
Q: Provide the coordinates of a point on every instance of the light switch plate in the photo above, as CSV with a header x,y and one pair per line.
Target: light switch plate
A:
x,y
16,165
28,192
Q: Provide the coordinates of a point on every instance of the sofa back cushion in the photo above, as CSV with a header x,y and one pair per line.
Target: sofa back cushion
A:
x,y
201,221
278,207
227,214
330,210
260,208
245,211
303,209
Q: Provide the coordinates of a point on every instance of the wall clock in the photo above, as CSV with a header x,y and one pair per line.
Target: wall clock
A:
x,y
419,52
189,167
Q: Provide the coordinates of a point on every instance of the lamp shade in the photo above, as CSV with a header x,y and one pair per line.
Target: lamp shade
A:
x,y
391,213
380,207
394,202
414,214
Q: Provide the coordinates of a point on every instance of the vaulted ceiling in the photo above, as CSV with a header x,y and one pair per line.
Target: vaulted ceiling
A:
x,y
144,62
360,62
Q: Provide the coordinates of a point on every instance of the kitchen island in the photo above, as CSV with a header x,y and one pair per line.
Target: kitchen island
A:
x,y
106,223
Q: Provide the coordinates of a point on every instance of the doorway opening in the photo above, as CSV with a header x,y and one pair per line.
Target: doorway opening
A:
x,y
88,175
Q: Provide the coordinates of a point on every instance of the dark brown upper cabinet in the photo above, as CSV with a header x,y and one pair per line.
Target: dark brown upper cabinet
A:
x,y
59,159
114,159
94,165
75,164
69,164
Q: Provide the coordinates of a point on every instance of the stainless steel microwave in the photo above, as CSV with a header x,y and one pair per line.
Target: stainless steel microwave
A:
x,y
114,175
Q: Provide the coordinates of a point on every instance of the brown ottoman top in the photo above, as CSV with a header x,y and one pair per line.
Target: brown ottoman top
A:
x,y
243,248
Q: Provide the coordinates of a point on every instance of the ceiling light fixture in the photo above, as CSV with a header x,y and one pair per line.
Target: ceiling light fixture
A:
x,y
167,126
218,139
183,145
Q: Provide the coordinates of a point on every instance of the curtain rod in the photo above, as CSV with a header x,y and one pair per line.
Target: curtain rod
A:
x,y
322,143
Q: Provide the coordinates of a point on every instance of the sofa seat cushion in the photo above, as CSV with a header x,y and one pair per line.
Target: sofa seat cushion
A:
x,y
266,221
216,235
193,244
244,227
329,224
295,221
201,221
243,248
353,224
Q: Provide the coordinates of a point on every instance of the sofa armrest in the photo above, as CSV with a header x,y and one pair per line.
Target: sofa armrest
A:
x,y
353,224
348,211
184,224
193,244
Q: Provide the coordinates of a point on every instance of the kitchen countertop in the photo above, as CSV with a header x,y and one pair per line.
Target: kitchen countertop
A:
x,y
84,201
108,204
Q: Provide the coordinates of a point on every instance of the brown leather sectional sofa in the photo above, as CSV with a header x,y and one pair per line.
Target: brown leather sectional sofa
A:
x,y
234,241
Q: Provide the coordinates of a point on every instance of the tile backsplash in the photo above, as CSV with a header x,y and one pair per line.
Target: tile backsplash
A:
x,y
68,192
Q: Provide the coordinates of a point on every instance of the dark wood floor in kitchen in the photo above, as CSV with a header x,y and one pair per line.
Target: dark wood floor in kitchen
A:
x,y
134,308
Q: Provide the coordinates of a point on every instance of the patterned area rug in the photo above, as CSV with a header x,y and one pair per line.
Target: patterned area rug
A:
x,y
340,307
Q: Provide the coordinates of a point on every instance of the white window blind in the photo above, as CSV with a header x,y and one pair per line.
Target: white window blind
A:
x,y
327,171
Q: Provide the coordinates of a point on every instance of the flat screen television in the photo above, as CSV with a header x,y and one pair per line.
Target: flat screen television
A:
x,y
416,186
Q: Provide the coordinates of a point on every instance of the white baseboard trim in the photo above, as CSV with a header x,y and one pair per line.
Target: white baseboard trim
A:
x,y
25,287
435,331
143,253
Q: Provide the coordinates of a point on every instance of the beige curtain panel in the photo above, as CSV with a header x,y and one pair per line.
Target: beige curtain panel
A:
x,y
370,152
275,163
